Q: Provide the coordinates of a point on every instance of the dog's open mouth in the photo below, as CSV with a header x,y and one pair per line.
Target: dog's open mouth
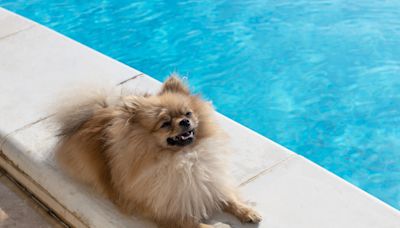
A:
x,y
183,139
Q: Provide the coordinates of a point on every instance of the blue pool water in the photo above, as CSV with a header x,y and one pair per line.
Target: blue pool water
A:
x,y
320,77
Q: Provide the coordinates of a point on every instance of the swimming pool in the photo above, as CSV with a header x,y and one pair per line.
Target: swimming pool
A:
x,y
319,77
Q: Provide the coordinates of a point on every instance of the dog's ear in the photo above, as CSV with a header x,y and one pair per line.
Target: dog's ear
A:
x,y
140,105
174,85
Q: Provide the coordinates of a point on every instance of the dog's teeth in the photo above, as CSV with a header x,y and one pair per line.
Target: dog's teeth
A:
x,y
184,136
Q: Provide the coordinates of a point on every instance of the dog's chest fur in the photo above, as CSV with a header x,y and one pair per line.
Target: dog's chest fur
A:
x,y
190,183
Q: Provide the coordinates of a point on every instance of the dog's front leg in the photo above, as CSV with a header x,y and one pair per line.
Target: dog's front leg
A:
x,y
244,213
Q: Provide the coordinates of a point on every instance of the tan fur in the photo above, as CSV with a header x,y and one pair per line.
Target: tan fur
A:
x,y
119,147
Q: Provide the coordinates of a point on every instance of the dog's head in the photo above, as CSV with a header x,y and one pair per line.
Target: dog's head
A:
x,y
174,118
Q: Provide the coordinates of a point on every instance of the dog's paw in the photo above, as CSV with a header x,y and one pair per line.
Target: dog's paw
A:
x,y
249,215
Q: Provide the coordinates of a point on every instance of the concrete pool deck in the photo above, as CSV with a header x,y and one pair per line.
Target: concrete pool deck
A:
x,y
37,64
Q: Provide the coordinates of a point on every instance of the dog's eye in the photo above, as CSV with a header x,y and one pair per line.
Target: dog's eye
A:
x,y
188,114
166,124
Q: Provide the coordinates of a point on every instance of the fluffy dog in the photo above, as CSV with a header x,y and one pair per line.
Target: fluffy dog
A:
x,y
160,156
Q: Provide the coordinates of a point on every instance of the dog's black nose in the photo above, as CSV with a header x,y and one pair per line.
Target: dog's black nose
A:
x,y
184,123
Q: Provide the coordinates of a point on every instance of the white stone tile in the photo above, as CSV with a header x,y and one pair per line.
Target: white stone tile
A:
x,y
141,84
300,194
251,152
36,65
11,23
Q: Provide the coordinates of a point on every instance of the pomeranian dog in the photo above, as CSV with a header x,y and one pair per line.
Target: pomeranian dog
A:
x,y
159,156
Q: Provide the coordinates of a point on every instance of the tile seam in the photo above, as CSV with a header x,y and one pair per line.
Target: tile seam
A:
x,y
266,170
129,79
6,136
17,32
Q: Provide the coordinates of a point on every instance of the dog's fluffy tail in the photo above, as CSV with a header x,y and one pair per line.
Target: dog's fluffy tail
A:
x,y
79,106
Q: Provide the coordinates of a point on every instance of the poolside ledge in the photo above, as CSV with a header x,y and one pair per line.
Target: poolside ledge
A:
x,y
37,63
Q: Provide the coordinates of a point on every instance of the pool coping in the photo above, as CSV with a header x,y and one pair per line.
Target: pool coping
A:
x,y
256,168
